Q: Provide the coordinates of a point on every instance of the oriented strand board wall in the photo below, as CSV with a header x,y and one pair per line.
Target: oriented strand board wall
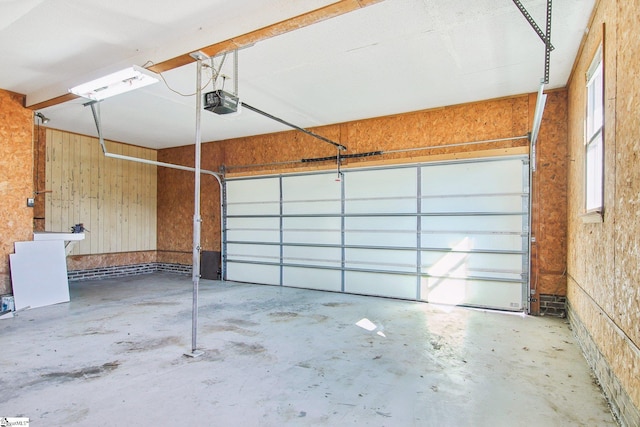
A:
x,y
16,179
549,193
176,205
627,187
501,118
493,119
114,199
603,258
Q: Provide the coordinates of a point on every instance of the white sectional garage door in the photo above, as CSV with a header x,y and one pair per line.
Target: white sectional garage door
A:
x,y
451,233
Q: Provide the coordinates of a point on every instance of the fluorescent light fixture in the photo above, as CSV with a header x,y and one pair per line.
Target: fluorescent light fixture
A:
x,y
116,83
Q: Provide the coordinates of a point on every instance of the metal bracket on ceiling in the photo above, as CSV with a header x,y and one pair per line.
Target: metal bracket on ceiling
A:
x,y
199,56
547,45
96,118
546,38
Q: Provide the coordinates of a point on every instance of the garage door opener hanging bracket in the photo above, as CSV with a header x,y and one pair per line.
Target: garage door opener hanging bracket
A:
x,y
546,38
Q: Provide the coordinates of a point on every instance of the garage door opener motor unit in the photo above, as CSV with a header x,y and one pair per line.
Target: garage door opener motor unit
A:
x,y
221,102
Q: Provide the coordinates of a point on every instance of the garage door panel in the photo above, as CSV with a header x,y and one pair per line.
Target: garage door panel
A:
x,y
254,196
312,236
471,223
496,262
472,262
475,177
381,238
317,256
381,223
380,284
488,203
249,252
311,207
319,230
381,191
464,270
253,229
381,231
381,259
311,194
257,208
373,183
253,273
396,205
309,278
478,293
483,242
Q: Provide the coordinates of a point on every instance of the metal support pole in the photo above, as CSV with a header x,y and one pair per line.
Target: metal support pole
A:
x,y
198,171
281,228
419,233
343,237
529,291
197,220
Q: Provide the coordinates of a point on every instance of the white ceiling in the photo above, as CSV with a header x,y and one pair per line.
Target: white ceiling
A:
x,y
391,57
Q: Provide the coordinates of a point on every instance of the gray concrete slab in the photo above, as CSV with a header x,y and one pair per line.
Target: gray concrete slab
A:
x,y
275,356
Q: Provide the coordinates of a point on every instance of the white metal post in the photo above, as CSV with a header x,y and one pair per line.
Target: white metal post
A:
x,y
197,220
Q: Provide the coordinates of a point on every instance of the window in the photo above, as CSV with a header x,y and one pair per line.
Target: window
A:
x,y
594,141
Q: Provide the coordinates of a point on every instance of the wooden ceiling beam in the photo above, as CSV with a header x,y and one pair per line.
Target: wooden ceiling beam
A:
x,y
336,9
53,101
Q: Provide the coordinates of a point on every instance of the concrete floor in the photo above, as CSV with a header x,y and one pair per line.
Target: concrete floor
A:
x,y
275,356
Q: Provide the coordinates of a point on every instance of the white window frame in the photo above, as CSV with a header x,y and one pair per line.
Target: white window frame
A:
x,y
594,136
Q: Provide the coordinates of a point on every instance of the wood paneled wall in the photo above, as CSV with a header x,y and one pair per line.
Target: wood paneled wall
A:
x,y
116,200
604,257
16,178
